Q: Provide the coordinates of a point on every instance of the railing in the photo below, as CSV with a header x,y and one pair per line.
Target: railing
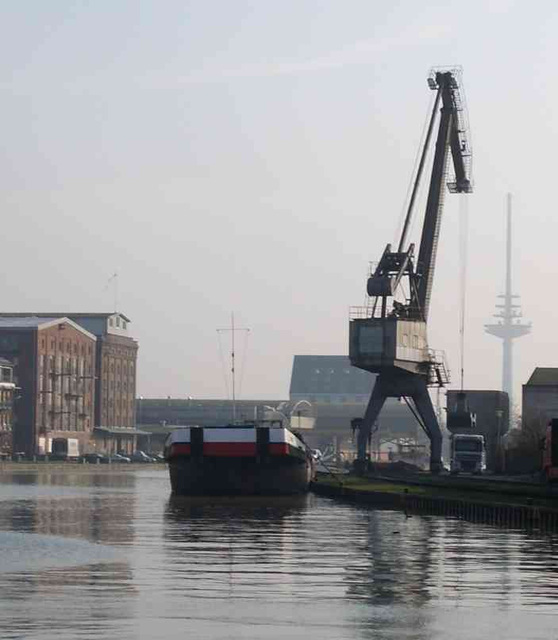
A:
x,y
439,373
370,310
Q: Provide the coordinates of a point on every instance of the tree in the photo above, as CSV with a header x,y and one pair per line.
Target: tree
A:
x,y
524,451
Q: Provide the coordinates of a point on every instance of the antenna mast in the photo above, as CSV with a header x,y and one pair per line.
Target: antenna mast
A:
x,y
233,329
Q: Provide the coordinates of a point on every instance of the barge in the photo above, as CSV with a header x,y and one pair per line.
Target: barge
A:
x,y
248,459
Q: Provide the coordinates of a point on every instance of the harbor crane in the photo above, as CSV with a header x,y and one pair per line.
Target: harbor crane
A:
x,y
389,335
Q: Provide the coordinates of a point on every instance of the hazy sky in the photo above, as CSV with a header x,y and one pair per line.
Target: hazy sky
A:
x,y
254,157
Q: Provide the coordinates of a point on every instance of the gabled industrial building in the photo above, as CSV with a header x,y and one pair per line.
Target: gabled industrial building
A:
x,y
111,426
54,368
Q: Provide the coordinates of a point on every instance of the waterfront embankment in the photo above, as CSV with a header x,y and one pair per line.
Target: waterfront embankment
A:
x,y
512,504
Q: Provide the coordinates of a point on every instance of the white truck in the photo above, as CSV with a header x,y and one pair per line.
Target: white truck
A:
x,y
64,448
468,453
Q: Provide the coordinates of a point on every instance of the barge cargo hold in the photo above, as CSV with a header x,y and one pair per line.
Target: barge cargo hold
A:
x,y
238,460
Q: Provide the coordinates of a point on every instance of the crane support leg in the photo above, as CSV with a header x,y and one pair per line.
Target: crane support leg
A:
x,y
371,414
396,385
423,403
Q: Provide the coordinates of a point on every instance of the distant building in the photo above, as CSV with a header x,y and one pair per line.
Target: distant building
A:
x,y
159,416
335,391
54,367
540,397
339,393
7,394
116,367
114,420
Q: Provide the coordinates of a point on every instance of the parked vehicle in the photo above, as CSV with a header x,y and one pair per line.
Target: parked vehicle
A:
x,y
94,458
64,449
140,456
468,453
119,459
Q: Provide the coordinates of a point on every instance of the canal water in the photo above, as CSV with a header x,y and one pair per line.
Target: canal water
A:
x,y
99,553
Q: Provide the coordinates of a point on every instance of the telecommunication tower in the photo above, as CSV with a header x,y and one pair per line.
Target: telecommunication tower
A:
x,y
509,325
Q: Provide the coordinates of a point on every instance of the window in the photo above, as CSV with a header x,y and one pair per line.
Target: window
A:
x,y
117,321
110,322
123,324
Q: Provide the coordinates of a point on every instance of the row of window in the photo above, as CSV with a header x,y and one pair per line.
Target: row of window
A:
x,y
5,417
71,420
67,346
118,321
115,366
112,386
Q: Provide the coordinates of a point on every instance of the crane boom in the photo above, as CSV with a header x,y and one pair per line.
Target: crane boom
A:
x,y
450,137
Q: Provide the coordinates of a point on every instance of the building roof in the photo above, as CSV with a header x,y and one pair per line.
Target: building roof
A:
x,y
5,363
329,375
543,377
121,431
27,322
39,322
64,314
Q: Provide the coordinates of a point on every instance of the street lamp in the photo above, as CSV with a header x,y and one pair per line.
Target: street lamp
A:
x,y
499,458
140,398
296,408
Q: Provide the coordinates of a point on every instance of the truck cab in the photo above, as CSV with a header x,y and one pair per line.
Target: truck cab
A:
x,y
468,453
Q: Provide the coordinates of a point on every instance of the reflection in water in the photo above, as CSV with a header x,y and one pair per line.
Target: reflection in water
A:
x,y
97,506
110,556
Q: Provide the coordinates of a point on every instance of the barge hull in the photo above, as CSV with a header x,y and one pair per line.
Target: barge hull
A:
x,y
239,476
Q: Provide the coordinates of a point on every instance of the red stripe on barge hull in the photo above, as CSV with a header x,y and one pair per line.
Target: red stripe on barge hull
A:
x,y
229,449
233,449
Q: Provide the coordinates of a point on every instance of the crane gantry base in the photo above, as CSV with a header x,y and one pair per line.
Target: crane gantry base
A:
x,y
397,384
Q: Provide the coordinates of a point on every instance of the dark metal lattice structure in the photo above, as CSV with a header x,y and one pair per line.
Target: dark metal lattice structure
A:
x,y
389,336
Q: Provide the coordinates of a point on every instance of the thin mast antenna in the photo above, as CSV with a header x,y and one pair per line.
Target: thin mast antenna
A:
x,y
114,279
233,329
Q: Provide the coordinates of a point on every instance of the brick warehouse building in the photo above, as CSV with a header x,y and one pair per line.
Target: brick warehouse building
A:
x,y
115,388
54,368
114,377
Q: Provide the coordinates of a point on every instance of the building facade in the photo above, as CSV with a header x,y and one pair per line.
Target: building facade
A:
x,y
111,381
54,369
540,398
326,388
115,388
340,392
7,397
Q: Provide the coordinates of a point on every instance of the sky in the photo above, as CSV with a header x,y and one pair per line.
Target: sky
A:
x,y
252,157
